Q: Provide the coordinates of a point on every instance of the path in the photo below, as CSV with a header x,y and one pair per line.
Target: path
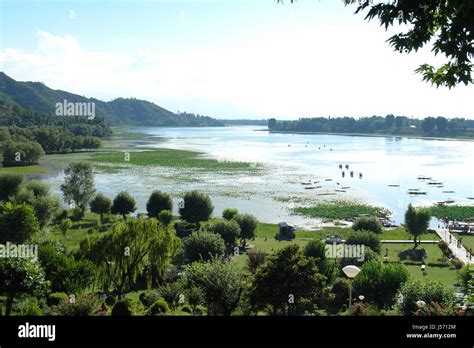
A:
x,y
459,251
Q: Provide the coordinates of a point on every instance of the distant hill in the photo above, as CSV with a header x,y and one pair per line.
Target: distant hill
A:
x,y
121,111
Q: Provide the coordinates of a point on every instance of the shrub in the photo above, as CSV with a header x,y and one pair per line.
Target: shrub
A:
x,y
457,263
367,238
197,207
110,301
77,214
56,298
228,230
171,293
203,246
185,229
443,246
367,223
160,307
158,202
340,289
256,258
121,308
9,185
315,248
63,214
187,309
31,308
165,217
248,226
147,298
229,213
123,204
84,305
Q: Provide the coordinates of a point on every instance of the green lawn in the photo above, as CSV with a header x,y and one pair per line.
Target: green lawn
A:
x,y
467,241
27,170
398,252
401,234
446,275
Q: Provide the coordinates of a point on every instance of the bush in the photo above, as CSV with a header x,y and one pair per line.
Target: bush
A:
x,y
228,230
367,238
367,223
56,298
165,217
121,308
77,214
109,219
315,248
123,204
31,308
171,293
110,301
185,229
248,226
147,298
197,206
160,307
443,246
203,246
340,289
458,264
187,309
256,258
9,185
84,305
158,202
229,213
63,214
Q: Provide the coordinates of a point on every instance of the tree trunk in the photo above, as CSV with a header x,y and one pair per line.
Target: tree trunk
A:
x,y
416,242
8,308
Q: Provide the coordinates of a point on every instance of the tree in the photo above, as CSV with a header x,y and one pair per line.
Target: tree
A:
x,y
248,226
101,205
165,217
203,246
399,122
442,124
9,185
123,204
389,121
415,290
195,297
416,221
65,226
256,258
380,282
20,276
287,278
78,184
18,223
367,238
428,124
21,153
221,282
367,223
158,202
272,123
197,207
127,247
37,195
228,230
229,213
448,24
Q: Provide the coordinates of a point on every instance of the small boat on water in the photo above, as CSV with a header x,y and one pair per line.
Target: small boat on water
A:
x,y
435,183
316,187
416,193
448,191
472,198
310,188
343,174
352,174
340,190
360,175
421,177
347,166
340,166
328,180
345,187
394,185
449,201
305,183
326,194
413,189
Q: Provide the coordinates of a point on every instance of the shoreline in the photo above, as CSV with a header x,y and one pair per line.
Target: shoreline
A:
x,y
370,135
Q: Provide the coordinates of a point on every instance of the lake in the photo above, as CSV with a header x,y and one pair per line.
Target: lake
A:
x,y
291,159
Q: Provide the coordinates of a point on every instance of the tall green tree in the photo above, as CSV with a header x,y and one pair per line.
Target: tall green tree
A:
x,y
101,205
158,202
18,223
228,230
248,227
285,280
417,221
123,204
127,247
78,184
10,185
20,276
196,207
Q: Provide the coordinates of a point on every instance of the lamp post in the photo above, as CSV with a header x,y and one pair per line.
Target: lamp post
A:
x,y
351,272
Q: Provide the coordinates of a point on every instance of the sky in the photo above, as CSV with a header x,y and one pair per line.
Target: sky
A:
x,y
223,58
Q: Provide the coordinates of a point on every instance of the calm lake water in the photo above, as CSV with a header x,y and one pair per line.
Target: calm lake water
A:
x,y
290,159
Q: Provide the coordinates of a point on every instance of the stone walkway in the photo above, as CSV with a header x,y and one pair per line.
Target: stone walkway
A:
x,y
458,250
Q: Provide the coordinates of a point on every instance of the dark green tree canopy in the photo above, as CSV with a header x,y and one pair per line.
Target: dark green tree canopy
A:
x,y
123,204
158,202
197,206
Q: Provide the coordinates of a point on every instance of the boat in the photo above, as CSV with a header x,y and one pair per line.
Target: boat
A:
x,y
394,185
340,190
470,198
345,187
435,183
416,193
326,194
449,200
421,177
448,191
305,183
310,188
328,180
413,189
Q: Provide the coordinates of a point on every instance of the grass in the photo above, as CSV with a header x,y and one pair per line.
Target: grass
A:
x,y
27,170
400,233
170,158
341,210
397,252
446,275
453,212
467,241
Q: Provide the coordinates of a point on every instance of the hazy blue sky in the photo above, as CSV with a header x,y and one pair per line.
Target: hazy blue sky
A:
x,y
242,58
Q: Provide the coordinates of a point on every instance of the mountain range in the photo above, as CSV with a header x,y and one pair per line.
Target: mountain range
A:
x,y
121,111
